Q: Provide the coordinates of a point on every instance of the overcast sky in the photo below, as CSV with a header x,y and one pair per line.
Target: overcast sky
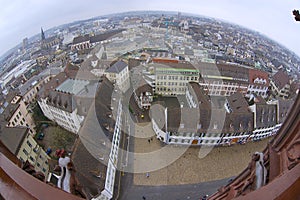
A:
x,y
273,18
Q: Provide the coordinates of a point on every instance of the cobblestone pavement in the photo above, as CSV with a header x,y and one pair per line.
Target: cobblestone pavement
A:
x,y
220,163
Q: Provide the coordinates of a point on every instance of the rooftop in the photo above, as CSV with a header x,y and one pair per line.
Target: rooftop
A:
x,y
105,36
181,65
237,103
223,71
69,90
117,67
72,86
202,99
12,137
80,39
281,79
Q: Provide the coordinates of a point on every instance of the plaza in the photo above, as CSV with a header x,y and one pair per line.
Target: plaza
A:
x,y
220,162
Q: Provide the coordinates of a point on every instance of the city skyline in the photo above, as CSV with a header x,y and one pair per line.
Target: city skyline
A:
x,y
271,18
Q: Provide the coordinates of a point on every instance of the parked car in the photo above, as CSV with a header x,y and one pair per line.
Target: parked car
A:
x,y
40,136
49,150
60,152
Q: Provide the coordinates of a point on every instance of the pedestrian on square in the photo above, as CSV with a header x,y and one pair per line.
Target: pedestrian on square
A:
x,y
147,175
149,141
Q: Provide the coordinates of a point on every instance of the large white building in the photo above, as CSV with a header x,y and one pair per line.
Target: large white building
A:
x,y
65,99
101,136
204,122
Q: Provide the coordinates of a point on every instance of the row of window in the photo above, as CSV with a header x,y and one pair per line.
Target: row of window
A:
x,y
175,78
220,141
65,124
33,160
164,89
208,134
159,71
59,111
172,83
220,83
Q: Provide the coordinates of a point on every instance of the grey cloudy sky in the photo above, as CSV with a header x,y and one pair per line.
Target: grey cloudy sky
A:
x,y
273,18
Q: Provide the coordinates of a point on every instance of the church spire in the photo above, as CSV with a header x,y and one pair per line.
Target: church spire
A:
x,y
42,34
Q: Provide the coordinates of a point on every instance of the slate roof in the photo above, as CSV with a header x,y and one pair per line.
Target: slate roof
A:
x,y
233,72
143,89
238,103
117,67
50,39
197,121
63,91
105,36
96,38
280,79
180,65
203,99
80,39
103,106
30,83
13,137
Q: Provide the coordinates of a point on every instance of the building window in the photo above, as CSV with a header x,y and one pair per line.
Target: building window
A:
x,y
31,158
25,152
28,143
36,149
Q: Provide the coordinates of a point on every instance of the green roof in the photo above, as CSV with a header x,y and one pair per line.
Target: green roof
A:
x,y
72,86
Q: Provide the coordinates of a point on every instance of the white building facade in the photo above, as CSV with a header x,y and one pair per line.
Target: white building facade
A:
x,y
212,138
70,121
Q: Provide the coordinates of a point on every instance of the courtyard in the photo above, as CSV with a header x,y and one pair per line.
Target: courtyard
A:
x,y
55,138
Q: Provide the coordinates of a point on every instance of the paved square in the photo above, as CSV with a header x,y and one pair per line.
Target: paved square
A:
x,y
221,162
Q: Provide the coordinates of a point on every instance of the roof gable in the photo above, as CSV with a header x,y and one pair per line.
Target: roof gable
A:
x,y
117,67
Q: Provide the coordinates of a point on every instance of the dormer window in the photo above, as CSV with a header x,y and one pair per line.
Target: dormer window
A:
x,y
199,126
215,125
